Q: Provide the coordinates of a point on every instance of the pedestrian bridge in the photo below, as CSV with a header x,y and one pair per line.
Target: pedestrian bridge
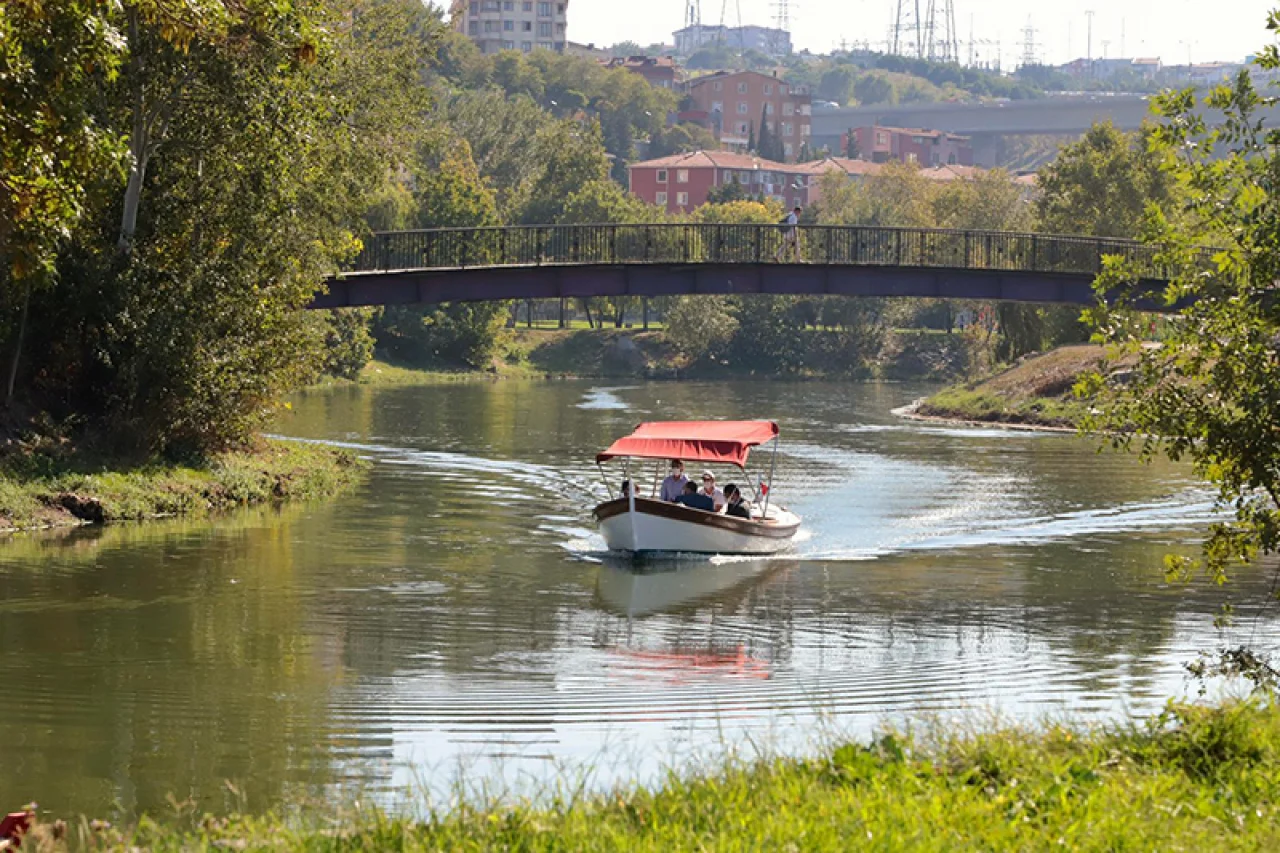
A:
x,y
559,261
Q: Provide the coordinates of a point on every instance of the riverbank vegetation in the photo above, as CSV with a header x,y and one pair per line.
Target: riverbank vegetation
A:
x,y
1193,776
57,486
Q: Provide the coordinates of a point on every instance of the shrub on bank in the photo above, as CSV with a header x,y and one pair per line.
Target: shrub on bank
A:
x,y
1193,777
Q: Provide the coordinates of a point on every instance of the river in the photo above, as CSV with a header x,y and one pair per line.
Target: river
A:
x,y
455,618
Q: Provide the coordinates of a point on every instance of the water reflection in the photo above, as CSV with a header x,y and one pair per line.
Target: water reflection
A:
x,y
459,605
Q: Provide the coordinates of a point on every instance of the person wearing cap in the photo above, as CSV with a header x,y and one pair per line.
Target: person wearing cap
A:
x,y
709,489
736,506
673,485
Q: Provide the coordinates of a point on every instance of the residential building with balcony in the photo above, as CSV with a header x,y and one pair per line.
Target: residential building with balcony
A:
x,y
523,25
736,102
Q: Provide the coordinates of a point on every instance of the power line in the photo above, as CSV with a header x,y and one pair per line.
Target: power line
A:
x,y
1029,46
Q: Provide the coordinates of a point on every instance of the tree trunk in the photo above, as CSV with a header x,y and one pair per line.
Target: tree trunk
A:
x,y
139,143
17,349
528,317
619,317
644,312
586,306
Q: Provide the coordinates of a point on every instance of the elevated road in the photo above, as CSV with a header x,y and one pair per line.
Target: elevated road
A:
x,y
559,261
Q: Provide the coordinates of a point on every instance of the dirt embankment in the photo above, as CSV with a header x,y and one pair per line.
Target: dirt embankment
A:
x,y
1035,392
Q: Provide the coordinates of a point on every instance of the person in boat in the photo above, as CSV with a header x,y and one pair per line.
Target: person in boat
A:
x,y
709,489
673,485
735,505
694,499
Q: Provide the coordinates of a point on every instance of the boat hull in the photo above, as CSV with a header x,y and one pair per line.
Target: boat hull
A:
x,y
656,526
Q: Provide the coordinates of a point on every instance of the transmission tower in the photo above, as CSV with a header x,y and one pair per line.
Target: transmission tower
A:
x,y
1029,46
908,30
693,13
942,39
781,22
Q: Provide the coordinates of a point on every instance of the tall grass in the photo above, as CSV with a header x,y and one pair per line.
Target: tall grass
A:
x,y
1194,778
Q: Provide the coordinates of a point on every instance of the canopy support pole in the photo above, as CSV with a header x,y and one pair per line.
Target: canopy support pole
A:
x,y
605,479
773,461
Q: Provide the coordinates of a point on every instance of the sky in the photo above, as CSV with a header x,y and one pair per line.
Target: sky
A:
x,y
1205,30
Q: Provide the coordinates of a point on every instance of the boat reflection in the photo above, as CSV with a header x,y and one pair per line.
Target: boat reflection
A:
x,y
657,586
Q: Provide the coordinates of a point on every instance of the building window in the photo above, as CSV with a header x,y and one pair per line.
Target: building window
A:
x,y
717,106
490,26
742,107
528,5
526,46
662,176
508,45
492,6
768,109
717,86
682,199
882,138
474,9
786,149
744,178
768,88
473,28
782,90
911,157
804,130
559,29
544,30
508,26
544,45
788,108
544,10
743,127
795,202
682,176
560,9
528,26
787,128
660,198
742,88
509,5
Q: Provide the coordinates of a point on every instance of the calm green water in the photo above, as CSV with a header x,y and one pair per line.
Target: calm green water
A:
x,y
456,614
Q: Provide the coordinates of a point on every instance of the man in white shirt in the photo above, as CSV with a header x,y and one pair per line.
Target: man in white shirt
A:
x,y
709,489
790,237
673,485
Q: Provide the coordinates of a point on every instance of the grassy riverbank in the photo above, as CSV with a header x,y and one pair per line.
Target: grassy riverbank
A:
x,y
1035,392
1196,778
47,490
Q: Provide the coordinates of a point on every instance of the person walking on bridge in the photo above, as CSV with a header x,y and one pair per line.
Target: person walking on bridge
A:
x,y
790,237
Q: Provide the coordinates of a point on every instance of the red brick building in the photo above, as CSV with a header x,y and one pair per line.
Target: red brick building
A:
x,y
929,148
736,102
682,182
662,72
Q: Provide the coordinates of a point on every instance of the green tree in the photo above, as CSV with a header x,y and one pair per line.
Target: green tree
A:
x,y
1103,184
680,139
875,88
1208,393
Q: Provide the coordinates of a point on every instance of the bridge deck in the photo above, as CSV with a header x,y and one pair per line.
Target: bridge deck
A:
x,y
532,262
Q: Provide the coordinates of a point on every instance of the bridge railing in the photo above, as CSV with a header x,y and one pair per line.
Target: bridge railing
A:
x,y
698,243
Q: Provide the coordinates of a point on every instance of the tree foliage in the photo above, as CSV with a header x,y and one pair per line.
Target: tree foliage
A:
x,y
1103,184
1208,393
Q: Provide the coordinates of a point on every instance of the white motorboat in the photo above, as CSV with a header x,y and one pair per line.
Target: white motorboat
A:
x,y
642,525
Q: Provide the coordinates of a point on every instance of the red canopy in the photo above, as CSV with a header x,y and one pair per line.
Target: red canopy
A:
x,y
694,441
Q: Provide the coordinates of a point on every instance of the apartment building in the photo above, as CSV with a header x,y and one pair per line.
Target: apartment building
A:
x,y
770,40
683,182
929,148
736,102
523,25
